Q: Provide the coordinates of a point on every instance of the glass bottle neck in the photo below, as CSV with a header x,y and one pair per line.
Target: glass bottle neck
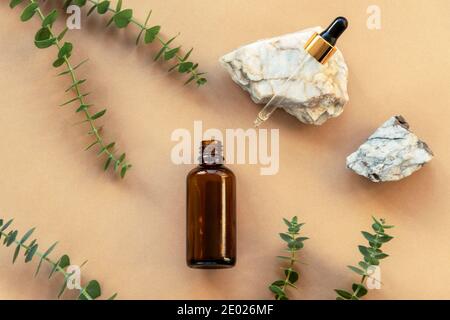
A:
x,y
211,154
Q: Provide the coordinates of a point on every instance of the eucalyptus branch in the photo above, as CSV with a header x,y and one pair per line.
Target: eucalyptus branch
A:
x,y
371,258
123,17
89,292
294,244
46,38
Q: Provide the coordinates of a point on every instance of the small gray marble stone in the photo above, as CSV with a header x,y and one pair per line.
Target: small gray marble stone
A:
x,y
316,94
391,153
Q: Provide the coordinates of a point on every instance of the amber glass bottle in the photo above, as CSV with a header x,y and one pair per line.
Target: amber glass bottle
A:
x,y
211,211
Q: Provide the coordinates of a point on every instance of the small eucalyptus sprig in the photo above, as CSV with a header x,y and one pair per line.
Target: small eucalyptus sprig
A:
x,y
30,249
123,17
45,38
371,257
294,244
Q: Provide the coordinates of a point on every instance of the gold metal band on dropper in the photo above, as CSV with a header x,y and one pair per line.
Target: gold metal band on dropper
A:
x,y
319,48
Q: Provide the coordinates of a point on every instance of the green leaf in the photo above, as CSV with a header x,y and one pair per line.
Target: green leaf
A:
x,y
98,115
278,283
160,52
377,227
148,18
185,67
170,54
123,18
14,3
372,261
44,256
44,43
76,84
62,34
151,33
277,290
91,145
11,238
79,3
186,56
119,5
31,253
92,289
116,165
43,34
110,21
63,288
364,265
164,48
66,50
64,261
296,245
359,290
201,81
29,11
369,237
83,107
58,62
293,276
385,238
108,147
174,67
108,162
50,18
284,257
344,294
189,80
69,102
287,222
16,253
92,10
80,64
381,256
357,270
286,237
103,7
139,36
364,251
122,157
113,296
27,235
29,247
124,170
43,38
55,266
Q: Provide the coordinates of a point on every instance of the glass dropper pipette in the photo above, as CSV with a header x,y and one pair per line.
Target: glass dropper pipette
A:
x,y
321,47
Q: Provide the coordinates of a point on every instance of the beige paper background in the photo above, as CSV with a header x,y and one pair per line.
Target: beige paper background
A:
x,y
133,231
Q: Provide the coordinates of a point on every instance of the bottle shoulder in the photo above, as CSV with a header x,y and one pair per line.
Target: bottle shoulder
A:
x,y
212,170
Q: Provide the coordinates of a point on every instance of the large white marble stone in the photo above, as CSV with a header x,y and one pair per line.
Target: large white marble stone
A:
x,y
317,93
391,153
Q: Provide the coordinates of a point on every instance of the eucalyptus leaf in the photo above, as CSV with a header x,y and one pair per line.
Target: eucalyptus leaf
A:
x,y
103,7
66,50
123,18
92,289
29,11
50,18
98,115
344,294
359,290
14,3
151,33
31,253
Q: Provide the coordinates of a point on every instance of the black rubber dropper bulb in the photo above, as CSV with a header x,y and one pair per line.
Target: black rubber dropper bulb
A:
x,y
335,30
